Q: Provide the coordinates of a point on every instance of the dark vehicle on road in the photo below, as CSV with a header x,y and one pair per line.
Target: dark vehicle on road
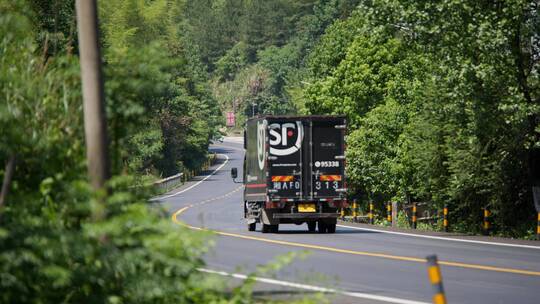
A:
x,y
294,171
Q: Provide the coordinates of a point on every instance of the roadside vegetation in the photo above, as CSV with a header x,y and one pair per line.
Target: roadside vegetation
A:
x,y
442,98
442,101
61,242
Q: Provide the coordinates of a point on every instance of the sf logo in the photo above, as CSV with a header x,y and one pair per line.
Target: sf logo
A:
x,y
285,138
261,141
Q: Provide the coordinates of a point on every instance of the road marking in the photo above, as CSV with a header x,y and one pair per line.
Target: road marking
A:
x,y
427,236
227,147
234,139
311,287
196,184
331,249
354,252
441,238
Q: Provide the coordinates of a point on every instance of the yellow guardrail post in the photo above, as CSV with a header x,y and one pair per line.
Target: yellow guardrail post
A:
x,y
414,216
445,218
435,278
389,212
371,215
354,210
486,224
538,227
342,213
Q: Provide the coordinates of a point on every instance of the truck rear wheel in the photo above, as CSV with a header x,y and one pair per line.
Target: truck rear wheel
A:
x,y
322,226
331,228
311,226
266,228
252,226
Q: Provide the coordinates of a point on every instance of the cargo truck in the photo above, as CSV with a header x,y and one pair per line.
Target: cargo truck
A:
x,y
294,172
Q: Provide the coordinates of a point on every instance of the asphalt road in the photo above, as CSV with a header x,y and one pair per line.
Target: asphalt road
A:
x,y
364,266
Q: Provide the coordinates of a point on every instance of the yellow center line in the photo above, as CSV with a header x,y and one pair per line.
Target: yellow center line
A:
x,y
353,252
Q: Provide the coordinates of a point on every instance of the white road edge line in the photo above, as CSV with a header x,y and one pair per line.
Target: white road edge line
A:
x,y
196,184
441,238
313,288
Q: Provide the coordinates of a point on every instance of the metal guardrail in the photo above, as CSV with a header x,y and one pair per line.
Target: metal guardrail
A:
x,y
169,182
415,212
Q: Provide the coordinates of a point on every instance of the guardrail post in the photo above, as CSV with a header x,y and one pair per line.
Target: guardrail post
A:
x,y
445,218
538,228
370,214
435,278
414,216
486,224
354,211
394,213
389,212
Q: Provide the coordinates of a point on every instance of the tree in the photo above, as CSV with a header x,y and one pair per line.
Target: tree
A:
x,y
472,121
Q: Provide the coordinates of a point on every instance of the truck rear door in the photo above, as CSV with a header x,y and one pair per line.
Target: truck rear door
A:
x,y
327,157
285,158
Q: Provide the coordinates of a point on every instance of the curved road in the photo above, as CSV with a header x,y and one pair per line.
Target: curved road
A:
x,y
363,266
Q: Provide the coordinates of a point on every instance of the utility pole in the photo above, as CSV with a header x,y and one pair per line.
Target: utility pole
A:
x,y
95,125
8,179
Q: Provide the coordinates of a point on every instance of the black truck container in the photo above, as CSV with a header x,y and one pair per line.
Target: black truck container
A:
x,y
294,171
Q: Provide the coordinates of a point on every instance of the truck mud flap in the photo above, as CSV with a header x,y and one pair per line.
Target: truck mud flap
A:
x,y
304,215
268,217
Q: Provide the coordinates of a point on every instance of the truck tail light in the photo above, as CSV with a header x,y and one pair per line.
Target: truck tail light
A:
x,y
272,205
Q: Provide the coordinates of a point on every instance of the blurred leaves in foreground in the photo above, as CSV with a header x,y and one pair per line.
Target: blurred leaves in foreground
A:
x,y
59,241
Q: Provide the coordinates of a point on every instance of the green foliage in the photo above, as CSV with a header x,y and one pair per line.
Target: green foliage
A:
x,y
76,250
161,114
403,220
40,106
372,150
360,82
333,45
232,62
59,242
270,37
442,101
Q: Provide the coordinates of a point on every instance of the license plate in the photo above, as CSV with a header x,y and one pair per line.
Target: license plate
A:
x,y
306,208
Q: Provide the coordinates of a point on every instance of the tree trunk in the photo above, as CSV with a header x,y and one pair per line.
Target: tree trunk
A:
x,y
8,178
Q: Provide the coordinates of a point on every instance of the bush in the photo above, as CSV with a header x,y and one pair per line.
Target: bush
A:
x,y
66,246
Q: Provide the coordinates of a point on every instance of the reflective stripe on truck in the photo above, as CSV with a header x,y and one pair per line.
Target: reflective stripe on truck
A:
x,y
330,178
282,178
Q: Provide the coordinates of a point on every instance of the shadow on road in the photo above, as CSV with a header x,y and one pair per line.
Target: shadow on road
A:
x,y
223,151
271,294
338,231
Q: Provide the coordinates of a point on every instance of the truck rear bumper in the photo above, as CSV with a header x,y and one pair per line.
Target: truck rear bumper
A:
x,y
304,215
